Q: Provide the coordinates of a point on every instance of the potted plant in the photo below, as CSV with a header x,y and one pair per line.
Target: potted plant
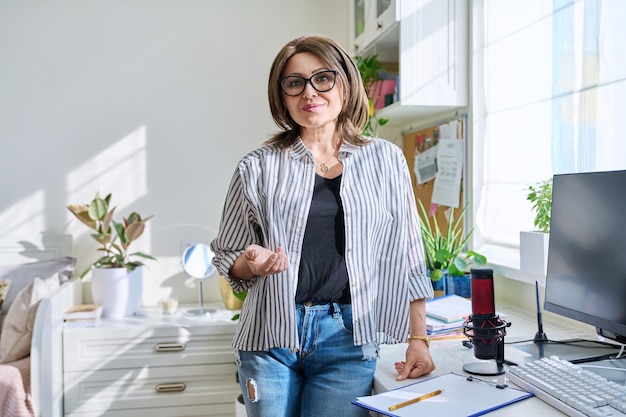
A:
x,y
534,243
446,258
370,68
116,276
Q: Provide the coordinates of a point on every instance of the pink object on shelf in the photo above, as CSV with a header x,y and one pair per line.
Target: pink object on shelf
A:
x,y
378,91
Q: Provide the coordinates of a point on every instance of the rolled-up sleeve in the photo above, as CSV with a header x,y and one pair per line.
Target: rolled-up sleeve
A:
x,y
236,232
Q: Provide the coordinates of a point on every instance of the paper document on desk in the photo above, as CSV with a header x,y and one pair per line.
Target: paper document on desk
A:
x,y
449,309
460,398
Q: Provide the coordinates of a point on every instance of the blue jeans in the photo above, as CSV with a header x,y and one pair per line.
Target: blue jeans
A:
x,y
319,380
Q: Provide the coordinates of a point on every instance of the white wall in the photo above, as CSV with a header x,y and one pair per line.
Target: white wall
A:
x,y
152,100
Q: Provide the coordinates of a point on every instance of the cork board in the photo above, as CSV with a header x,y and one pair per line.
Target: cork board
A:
x,y
422,141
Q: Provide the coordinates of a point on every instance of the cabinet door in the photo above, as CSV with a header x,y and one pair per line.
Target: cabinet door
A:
x,y
373,19
364,24
386,15
434,42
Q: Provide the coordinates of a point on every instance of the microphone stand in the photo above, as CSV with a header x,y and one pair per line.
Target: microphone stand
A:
x,y
487,368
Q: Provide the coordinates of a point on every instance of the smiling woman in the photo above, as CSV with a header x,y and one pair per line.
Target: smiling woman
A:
x,y
306,229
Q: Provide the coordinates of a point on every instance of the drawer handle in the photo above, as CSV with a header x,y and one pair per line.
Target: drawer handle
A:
x,y
173,387
169,347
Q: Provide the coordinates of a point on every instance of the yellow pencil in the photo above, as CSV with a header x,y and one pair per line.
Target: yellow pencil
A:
x,y
415,400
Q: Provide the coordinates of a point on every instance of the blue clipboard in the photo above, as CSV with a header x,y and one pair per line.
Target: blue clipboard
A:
x,y
460,398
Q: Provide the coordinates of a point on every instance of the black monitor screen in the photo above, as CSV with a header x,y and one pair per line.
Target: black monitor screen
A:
x,y
586,278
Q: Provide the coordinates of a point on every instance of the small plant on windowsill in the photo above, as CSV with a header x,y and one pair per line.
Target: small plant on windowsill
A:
x,y
533,246
540,196
370,68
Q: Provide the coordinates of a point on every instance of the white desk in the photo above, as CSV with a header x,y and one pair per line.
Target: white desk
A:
x,y
450,356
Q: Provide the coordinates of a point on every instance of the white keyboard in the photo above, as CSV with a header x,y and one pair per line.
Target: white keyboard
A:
x,y
570,388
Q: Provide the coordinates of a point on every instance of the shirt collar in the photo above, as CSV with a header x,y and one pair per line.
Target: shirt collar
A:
x,y
298,150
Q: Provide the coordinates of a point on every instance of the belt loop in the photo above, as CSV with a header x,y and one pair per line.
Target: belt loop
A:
x,y
334,310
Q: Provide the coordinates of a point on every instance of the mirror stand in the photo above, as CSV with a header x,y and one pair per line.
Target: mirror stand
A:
x,y
200,311
197,264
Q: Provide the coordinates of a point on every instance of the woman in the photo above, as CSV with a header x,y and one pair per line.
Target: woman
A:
x,y
320,225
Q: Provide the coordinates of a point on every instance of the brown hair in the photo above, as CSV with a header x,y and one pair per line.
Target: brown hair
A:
x,y
355,111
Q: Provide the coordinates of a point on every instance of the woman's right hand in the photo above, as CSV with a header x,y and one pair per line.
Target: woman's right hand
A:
x,y
263,261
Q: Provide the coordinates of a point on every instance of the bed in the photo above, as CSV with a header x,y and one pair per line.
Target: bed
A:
x,y
33,385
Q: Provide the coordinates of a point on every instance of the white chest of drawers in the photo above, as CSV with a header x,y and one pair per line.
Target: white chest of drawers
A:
x,y
151,366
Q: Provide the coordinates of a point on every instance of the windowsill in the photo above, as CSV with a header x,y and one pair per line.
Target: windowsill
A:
x,y
505,262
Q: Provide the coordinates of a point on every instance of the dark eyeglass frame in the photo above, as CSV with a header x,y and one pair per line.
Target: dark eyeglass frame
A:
x,y
310,81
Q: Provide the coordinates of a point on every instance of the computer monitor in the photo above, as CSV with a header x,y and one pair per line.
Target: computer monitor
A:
x,y
586,276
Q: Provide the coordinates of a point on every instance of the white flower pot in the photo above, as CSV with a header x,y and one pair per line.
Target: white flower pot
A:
x,y
533,252
117,290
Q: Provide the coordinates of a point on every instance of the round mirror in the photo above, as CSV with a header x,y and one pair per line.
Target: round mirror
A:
x,y
197,264
197,261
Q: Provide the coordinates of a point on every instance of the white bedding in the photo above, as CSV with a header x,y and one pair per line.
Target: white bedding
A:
x,y
15,397
32,386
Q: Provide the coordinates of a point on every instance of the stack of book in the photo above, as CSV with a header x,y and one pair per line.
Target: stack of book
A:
x,y
83,315
445,315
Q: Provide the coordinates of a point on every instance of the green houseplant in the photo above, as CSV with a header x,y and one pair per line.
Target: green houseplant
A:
x,y
116,279
114,238
533,246
540,196
445,249
370,68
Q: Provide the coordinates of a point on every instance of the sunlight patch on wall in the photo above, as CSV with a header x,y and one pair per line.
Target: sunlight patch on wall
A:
x,y
121,170
25,217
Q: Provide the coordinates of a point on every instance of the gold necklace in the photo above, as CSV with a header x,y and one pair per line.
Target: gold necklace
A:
x,y
323,166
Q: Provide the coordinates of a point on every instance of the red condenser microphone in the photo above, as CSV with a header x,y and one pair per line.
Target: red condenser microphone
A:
x,y
484,318
484,328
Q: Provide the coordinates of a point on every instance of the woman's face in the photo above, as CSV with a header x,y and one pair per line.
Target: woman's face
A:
x,y
312,109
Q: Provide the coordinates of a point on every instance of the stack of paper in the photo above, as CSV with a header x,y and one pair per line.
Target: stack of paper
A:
x,y
447,314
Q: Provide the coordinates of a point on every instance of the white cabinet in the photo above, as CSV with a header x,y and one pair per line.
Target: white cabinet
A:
x,y
156,366
428,42
373,18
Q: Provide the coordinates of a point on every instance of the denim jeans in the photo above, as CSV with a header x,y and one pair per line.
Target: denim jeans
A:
x,y
319,380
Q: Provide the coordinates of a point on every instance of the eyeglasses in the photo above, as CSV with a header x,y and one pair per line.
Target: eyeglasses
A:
x,y
294,85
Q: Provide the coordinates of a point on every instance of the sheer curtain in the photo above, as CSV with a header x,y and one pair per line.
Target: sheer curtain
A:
x,y
549,97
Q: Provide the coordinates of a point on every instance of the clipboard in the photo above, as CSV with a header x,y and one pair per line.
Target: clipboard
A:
x,y
460,398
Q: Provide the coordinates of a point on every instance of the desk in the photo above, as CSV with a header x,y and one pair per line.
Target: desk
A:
x,y
450,356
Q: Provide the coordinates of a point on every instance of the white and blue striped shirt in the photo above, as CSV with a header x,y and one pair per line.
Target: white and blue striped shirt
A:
x,y
268,204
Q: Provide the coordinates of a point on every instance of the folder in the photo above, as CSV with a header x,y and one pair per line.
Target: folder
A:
x,y
460,398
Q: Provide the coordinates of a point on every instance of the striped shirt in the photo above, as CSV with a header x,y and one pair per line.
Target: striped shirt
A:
x,y
268,203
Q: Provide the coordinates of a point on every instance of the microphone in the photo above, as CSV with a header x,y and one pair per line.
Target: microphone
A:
x,y
487,329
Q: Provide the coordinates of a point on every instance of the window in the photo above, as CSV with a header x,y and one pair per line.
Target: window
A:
x,y
549,97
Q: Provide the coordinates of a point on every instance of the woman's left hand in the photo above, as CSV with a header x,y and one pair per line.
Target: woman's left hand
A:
x,y
418,361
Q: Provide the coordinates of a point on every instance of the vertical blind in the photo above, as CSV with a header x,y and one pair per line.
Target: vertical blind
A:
x,y
549,97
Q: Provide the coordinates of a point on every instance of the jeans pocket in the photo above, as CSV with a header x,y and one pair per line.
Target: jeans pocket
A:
x,y
345,318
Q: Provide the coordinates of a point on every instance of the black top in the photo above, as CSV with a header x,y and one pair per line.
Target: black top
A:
x,y
323,276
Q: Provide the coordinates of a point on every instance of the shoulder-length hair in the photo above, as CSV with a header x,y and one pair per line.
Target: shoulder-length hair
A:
x,y
355,110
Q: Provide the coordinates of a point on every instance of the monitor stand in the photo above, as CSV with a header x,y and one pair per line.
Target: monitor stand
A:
x,y
574,350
